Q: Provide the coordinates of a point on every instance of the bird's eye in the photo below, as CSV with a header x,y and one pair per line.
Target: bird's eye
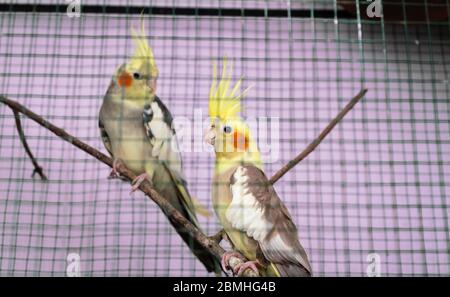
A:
x,y
136,75
227,129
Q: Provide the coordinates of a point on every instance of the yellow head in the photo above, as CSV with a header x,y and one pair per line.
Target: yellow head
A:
x,y
228,132
138,76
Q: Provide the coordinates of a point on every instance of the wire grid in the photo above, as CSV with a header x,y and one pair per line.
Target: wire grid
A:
x,y
378,184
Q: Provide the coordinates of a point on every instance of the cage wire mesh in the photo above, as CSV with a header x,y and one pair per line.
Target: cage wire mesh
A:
x,y
378,184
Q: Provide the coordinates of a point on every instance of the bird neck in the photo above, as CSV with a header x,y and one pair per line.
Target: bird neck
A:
x,y
226,161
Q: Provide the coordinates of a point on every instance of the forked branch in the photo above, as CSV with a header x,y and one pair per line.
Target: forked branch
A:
x,y
174,216
37,168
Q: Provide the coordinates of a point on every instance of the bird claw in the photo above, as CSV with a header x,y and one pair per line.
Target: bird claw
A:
x,y
240,268
113,175
114,172
226,259
136,183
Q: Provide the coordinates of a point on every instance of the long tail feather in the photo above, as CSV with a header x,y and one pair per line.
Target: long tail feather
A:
x,y
292,270
188,209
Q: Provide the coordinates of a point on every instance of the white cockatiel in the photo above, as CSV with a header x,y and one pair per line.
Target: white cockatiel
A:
x,y
255,220
136,129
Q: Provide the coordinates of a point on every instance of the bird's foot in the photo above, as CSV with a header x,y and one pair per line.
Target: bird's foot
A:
x,y
136,183
240,268
114,172
225,261
113,175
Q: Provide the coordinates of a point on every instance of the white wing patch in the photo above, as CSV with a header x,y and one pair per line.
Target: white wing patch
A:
x,y
160,130
162,137
245,212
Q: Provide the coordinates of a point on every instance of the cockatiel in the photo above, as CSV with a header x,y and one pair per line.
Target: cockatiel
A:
x,y
136,128
255,220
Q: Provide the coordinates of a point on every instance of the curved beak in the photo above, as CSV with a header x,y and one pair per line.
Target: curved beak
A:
x,y
210,136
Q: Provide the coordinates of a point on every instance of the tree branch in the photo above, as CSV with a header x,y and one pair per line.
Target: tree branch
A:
x,y
174,216
37,168
312,146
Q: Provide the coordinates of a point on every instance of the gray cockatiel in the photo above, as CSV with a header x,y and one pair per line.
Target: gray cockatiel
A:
x,y
255,220
136,129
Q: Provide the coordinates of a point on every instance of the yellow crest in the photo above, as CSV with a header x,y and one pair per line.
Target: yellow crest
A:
x,y
142,58
224,99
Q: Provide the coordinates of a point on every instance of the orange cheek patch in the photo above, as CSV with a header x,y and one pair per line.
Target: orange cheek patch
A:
x,y
125,80
240,142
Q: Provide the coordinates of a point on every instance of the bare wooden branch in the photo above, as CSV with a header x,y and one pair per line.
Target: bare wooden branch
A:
x,y
312,146
37,168
174,216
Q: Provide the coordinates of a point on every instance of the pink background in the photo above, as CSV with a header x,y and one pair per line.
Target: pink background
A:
x,y
379,183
